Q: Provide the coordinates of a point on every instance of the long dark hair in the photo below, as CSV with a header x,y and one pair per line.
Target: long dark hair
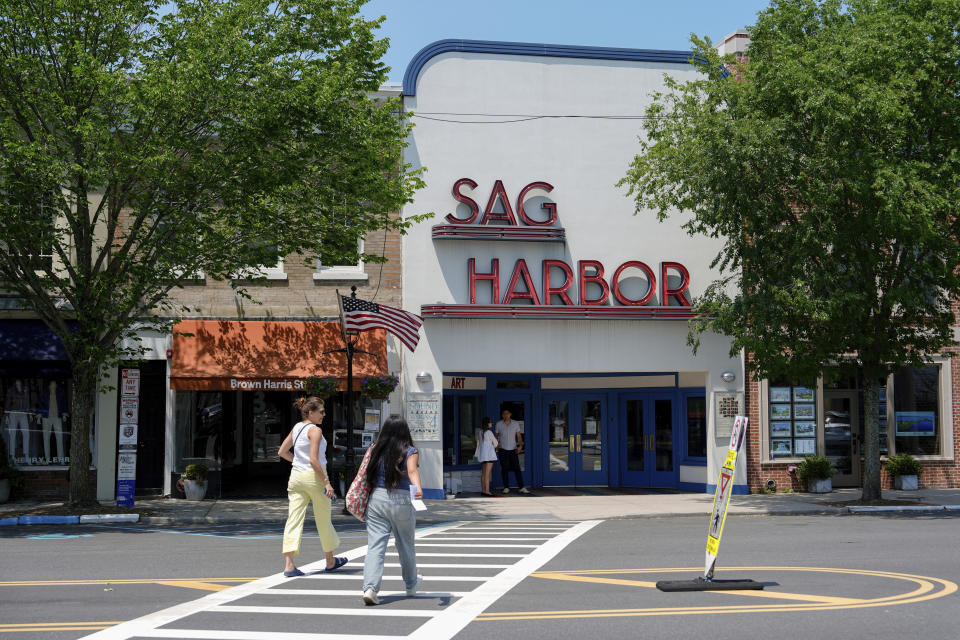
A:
x,y
486,423
390,447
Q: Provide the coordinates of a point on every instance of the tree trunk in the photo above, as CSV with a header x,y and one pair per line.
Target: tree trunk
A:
x,y
871,442
81,490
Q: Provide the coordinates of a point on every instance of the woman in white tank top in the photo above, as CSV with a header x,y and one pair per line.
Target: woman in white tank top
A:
x,y
306,448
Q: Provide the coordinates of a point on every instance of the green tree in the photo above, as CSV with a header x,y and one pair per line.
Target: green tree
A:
x,y
144,142
829,165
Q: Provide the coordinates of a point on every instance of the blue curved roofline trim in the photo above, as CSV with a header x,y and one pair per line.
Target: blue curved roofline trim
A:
x,y
533,49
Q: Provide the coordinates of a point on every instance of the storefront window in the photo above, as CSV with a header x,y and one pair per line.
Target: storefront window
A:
x,y
35,420
793,420
916,405
462,416
697,427
271,417
199,421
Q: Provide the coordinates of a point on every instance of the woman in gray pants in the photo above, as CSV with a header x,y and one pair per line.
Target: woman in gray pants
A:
x,y
391,473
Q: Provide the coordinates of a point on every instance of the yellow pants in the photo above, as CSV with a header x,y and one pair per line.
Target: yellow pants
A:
x,y
305,487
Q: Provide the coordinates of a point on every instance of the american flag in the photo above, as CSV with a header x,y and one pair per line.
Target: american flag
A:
x,y
361,315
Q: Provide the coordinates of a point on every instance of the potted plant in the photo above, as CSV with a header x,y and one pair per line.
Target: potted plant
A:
x,y
905,471
817,472
322,386
10,476
379,386
193,481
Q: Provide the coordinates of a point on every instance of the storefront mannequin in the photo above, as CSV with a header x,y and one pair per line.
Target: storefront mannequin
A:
x,y
53,422
17,407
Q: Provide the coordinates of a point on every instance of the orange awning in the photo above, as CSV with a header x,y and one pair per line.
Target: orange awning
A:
x,y
265,355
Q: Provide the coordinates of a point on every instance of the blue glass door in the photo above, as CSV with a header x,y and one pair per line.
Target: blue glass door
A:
x,y
573,441
647,421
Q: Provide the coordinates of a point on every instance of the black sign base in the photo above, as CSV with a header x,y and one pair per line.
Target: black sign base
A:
x,y
702,584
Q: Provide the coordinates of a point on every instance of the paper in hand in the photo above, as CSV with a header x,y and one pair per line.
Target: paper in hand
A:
x,y
417,503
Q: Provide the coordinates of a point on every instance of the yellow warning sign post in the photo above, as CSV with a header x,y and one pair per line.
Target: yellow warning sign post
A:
x,y
718,515
721,497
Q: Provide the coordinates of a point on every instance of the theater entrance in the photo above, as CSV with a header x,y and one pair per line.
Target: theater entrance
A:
x,y
572,445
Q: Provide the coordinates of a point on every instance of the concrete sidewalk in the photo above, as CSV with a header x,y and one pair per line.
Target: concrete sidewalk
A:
x,y
160,511
574,507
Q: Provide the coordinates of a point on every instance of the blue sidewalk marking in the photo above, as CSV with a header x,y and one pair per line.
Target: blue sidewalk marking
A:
x,y
8,522
58,536
49,519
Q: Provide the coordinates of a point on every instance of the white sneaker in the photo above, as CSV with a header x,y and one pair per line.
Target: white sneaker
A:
x,y
370,597
506,490
412,591
524,490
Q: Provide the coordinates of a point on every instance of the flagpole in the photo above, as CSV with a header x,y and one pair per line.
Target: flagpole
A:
x,y
349,456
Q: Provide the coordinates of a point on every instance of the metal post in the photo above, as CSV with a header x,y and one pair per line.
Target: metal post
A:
x,y
349,458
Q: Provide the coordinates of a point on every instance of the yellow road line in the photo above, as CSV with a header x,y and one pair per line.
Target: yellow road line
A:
x,y
194,584
776,595
59,583
36,629
58,626
927,589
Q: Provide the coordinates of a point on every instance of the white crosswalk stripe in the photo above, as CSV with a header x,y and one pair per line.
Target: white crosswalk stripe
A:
x,y
277,599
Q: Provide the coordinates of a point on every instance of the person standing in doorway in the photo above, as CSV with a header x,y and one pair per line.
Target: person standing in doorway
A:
x,y
511,444
306,448
486,455
394,479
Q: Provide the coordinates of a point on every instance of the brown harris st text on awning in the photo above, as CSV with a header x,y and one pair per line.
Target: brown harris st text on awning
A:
x,y
267,355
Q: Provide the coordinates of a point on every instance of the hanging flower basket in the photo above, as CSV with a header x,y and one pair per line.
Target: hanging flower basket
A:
x,y
322,386
379,386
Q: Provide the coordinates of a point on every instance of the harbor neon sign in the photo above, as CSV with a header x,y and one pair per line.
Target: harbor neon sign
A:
x,y
558,278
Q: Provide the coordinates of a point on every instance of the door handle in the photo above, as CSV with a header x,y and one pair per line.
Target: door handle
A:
x,y
573,443
578,443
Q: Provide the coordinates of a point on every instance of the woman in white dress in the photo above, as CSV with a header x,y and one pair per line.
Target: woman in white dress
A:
x,y
487,455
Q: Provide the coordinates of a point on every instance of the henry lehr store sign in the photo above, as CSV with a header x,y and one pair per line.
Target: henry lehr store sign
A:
x,y
554,288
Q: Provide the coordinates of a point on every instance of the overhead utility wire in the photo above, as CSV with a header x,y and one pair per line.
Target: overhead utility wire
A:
x,y
517,117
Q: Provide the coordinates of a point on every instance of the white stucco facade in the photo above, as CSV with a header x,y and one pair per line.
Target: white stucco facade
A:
x,y
486,113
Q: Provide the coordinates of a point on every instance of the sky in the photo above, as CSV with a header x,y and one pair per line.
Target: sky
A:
x,y
638,24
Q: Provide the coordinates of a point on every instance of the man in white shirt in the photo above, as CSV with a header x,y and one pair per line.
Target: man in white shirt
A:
x,y
511,443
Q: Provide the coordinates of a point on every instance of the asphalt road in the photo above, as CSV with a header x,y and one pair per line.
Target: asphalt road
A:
x,y
850,577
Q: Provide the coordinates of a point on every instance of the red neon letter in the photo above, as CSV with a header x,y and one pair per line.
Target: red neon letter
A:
x,y
551,207
470,202
651,280
520,271
493,277
583,265
501,193
679,292
561,291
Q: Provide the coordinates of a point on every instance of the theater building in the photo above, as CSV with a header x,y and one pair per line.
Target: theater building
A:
x,y
541,291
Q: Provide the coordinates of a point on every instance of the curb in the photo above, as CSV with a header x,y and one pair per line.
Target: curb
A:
x,y
912,508
83,519
128,518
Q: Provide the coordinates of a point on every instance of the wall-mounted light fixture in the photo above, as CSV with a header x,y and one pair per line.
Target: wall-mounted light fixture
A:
x,y
728,376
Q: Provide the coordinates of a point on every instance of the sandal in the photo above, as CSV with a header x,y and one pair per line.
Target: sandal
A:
x,y
293,574
337,563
